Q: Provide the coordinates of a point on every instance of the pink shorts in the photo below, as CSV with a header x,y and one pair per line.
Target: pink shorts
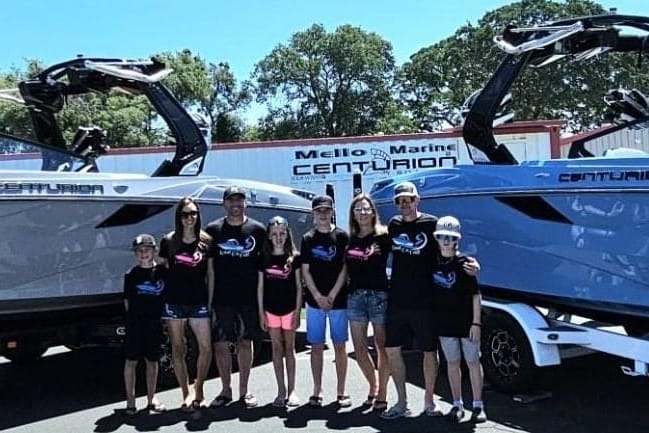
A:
x,y
285,322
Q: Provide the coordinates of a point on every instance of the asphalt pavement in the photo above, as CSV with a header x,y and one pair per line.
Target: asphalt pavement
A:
x,y
82,391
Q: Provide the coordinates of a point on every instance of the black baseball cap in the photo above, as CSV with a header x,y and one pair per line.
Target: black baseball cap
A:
x,y
233,190
322,201
405,189
143,240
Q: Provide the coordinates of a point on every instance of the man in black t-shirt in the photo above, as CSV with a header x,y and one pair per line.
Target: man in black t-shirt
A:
x,y
237,241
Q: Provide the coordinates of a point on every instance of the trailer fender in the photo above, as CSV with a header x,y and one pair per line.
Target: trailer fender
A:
x,y
529,319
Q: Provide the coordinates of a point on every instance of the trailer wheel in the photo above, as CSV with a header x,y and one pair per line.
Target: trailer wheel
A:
x,y
507,357
25,351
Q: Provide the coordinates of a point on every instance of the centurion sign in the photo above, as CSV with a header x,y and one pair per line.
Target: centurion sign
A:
x,y
371,161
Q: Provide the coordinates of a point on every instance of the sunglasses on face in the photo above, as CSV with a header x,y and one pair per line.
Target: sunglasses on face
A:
x,y
363,209
446,238
404,200
191,213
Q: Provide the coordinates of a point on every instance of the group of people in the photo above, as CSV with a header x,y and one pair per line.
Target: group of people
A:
x,y
237,276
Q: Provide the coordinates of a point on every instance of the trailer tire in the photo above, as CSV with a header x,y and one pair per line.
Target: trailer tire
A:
x,y
27,351
507,357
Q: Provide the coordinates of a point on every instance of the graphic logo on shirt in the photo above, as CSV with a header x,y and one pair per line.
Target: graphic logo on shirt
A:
x,y
362,254
191,260
444,280
321,252
278,272
404,244
233,248
151,288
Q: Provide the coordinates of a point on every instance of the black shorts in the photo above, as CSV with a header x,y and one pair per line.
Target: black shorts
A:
x,y
233,323
410,328
143,339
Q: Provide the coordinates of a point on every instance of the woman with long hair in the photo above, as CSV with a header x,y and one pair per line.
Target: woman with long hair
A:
x,y
279,294
366,259
188,295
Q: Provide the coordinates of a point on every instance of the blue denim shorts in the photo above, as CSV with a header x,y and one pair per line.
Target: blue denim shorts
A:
x,y
316,324
175,311
367,306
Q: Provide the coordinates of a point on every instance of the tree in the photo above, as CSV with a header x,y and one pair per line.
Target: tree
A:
x,y
211,89
327,84
437,79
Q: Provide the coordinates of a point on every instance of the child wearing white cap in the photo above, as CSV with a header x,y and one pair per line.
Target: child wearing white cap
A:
x,y
456,304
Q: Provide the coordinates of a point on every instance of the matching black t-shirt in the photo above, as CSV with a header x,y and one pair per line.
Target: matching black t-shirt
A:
x,y
143,289
237,253
366,260
186,282
420,278
453,291
280,284
414,257
325,255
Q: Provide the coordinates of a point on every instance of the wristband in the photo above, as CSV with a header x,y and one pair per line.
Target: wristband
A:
x,y
476,324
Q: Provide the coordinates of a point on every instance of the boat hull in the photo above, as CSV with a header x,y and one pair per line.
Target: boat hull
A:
x,y
581,247
65,252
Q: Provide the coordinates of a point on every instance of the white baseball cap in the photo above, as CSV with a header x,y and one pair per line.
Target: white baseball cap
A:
x,y
449,226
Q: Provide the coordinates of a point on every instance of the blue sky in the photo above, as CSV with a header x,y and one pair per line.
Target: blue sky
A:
x,y
240,32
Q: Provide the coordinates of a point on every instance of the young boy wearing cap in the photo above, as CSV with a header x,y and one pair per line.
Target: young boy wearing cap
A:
x,y
143,287
325,273
456,304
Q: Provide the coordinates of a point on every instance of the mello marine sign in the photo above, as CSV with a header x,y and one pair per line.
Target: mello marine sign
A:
x,y
373,161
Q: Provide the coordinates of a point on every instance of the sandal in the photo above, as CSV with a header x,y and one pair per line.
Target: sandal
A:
x,y
220,401
156,407
130,410
248,401
279,402
370,400
380,406
344,401
292,401
315,401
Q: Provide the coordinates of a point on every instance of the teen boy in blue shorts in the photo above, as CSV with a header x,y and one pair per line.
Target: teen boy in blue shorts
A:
x,y
325,274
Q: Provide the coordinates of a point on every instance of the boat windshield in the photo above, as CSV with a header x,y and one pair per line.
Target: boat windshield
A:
x,y
23,154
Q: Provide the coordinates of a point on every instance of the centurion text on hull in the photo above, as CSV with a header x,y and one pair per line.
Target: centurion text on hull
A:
x,y
567,235
66,226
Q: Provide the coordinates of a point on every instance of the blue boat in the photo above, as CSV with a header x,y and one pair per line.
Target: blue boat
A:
x,y
567,234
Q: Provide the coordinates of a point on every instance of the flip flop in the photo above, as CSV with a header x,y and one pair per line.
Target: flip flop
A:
x,y
220,401
344,401
370,400
280,402
130,410
156,407
315,401
380,406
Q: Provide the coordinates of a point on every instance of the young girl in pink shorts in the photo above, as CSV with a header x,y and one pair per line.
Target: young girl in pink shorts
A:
x,y
280,299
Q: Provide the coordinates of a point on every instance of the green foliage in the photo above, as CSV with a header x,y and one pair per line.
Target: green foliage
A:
x,y
328,84
437,79
211,89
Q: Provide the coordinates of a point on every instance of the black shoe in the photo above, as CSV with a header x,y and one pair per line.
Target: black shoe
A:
x,y
455,414
478,415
